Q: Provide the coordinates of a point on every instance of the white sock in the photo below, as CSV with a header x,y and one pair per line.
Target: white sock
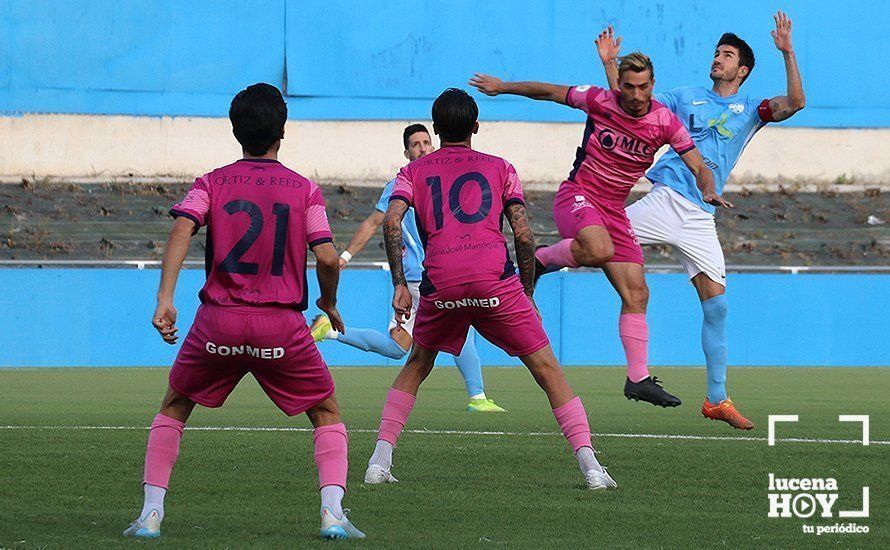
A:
x,y
477,396
331,496
331,335
382,455
587,460
154,500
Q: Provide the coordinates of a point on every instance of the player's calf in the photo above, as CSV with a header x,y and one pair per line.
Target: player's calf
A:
x,y
570,415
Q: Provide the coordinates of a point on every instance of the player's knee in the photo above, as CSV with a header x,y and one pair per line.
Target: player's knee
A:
x,y
637,296
593,253
546,371
176,405
324,413
715,310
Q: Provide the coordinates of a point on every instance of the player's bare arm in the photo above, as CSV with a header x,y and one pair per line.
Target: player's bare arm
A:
x,y
392,240
492,85
327,269
784,106
362,235
164,318
608,46
524,242
704,178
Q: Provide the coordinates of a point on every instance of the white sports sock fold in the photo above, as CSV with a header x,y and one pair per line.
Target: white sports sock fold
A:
x,y
154,500
382,455
332,497
587,460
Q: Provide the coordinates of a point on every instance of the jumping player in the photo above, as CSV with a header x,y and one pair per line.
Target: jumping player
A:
x,y
721,122
460,197
260,218
624,130
395,345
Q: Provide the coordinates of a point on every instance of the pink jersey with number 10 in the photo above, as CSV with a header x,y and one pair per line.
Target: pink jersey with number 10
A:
x,y
459,196
618,148
260,217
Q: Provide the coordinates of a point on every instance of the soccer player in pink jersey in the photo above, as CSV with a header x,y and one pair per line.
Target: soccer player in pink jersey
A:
x,y
624,130
722,121
260,218
460,198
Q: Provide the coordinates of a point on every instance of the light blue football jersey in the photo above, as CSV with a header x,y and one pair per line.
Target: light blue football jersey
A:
x,y
412,260
721,127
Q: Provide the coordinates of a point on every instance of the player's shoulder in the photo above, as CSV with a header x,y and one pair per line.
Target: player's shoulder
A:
x,y
499,163
589,89
660,112
688,93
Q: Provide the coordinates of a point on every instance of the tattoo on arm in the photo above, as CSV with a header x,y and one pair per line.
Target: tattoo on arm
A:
x,y
782,108
392,238
524,242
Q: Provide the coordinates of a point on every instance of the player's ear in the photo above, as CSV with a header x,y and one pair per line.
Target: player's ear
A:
x,y
407,155
476,127
744,72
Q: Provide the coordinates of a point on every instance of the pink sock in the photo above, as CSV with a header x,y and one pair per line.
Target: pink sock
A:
x,y
162,450
331,454
395,414
572,419
635,338
559,254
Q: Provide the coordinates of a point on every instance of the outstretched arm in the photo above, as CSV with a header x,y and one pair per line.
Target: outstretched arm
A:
x,y
784,106
362,235
492,85
704,178
524,242
164,319
608,48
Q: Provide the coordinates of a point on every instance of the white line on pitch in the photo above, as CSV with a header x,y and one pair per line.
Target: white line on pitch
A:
x,y
460,432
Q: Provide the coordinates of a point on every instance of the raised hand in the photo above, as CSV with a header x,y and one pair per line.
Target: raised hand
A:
x,y
782,34
607,45
488,85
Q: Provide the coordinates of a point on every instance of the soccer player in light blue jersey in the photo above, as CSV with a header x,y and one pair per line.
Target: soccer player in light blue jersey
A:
x,y
721,121
396,343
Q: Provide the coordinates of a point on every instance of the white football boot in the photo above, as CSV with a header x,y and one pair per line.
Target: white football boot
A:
x,y
148,527
378,474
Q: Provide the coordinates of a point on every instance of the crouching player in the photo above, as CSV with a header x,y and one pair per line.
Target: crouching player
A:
x,y
460,197
261,216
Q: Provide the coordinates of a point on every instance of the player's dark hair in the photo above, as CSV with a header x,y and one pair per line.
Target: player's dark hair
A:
x,y
258,114
455,114
411,130
746,54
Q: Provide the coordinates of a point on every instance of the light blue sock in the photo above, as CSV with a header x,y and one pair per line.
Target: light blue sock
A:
x,y
470,366
372,340
713,342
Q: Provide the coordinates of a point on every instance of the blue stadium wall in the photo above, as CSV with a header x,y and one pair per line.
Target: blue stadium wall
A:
x,y
366,59
101,317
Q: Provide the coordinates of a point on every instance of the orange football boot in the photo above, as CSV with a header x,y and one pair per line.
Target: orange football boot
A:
x,y
726,412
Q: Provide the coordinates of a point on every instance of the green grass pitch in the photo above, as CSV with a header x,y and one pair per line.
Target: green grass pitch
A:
x,y
63,488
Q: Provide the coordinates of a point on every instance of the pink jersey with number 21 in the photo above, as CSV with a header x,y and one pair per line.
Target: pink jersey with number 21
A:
x,y
260,217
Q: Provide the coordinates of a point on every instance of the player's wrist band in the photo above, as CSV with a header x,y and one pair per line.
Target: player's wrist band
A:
x,y
346,256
